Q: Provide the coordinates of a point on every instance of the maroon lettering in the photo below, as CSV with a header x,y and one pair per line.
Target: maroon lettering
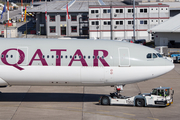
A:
x,y
21,58
58,53
83,62
105,54
39,53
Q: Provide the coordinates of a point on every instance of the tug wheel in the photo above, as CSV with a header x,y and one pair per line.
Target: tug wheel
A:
x,y
140,103
105,100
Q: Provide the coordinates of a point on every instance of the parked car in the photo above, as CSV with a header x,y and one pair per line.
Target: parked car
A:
x,y
140,41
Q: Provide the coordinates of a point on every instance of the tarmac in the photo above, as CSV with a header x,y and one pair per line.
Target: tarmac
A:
x,y
81,103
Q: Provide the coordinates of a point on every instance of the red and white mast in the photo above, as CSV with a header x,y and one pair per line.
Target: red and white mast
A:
x,y
21,10
8,11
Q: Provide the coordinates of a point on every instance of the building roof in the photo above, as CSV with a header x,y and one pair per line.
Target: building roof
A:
x,y
73,5
171,25
172,5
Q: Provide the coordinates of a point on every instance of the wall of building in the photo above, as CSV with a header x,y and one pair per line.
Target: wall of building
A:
x,y
58,24
163,38
100,19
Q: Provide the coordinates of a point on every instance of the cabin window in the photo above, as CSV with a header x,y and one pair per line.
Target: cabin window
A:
x,y
154,92
149,55
52,56
102,57
57,56
11,56
47,56
154,55
70,56
2,56
97,57
66,56
159,55
84,57
43,56
89,57
93,57
61,56
80,57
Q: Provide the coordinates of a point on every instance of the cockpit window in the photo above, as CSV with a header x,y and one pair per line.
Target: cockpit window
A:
x,y
154,55
159,55
149,55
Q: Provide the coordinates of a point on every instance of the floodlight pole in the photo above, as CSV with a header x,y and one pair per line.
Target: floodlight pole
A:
x,y
46,18
133,20
21,10
8,12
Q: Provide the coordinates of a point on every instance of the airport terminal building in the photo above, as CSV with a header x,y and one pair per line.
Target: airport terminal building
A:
x,y
116,22
97,19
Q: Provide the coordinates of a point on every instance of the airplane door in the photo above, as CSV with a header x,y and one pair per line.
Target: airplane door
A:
x,y
25,56
124,60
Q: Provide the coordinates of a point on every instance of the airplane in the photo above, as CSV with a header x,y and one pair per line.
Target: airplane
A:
x,y
78,62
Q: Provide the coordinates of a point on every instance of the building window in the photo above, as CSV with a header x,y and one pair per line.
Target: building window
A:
x,y
94,11
107,22
119,10
130,22
95,23
106,11
52,29
73,28
63,17
143,22
119,22
52,18
84,18
143,10
130,10
73,18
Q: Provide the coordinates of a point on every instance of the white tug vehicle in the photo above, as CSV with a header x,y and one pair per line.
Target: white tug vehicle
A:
x,y
161,96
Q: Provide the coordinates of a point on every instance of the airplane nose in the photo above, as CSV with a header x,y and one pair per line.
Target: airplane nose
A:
x,y
169,65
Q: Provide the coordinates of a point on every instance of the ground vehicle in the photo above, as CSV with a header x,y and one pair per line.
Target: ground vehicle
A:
x,y
140,41
161,96
169,52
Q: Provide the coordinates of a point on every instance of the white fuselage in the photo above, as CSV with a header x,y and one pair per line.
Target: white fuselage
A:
x,y
77,62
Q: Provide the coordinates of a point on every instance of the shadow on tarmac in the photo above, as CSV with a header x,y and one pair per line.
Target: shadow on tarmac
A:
x,y
49,97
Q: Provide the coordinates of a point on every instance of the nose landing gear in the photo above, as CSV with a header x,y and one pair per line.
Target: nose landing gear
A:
x,y
118,89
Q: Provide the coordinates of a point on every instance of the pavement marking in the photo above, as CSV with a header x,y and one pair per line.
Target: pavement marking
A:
x,y
75,108
116,116
152,118
129,114
103,111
